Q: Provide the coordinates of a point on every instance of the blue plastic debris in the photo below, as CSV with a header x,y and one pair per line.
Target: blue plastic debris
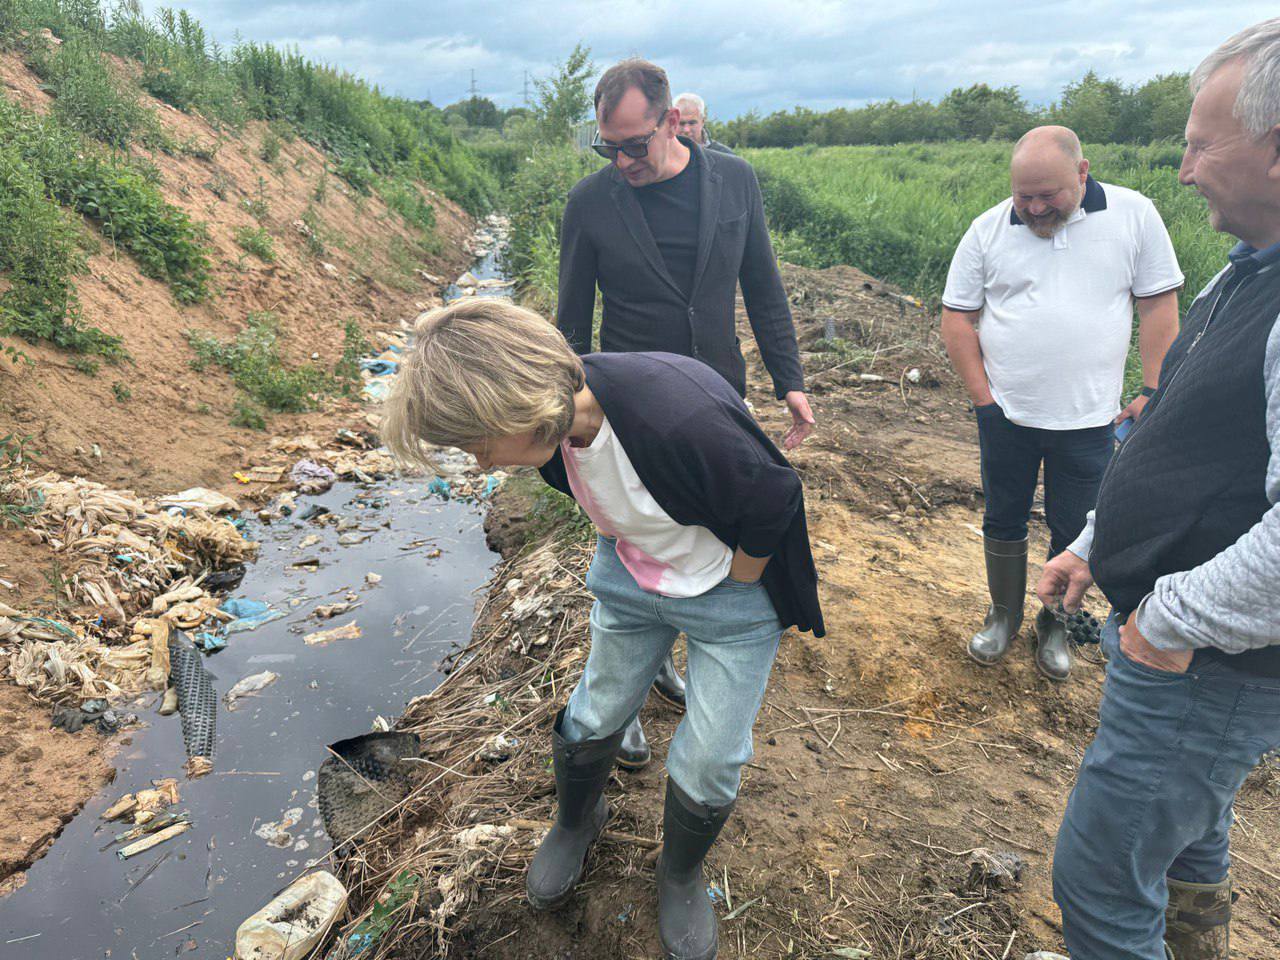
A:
x,y
358,943
625,915
714,893
210,642
249,614
378,389
440,487
379,368
491,483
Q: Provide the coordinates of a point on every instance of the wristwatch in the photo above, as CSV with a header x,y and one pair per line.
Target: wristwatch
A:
x,y
1148,391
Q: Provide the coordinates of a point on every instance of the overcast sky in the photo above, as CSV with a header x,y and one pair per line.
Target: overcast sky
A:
x,y
743,54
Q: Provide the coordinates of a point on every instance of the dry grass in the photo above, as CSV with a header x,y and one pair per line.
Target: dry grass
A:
x,y
472,825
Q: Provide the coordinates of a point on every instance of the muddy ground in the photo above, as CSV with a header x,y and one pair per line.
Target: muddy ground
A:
x,y
884,756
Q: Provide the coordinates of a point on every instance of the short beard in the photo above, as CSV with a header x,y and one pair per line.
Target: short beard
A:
x,y
1047,224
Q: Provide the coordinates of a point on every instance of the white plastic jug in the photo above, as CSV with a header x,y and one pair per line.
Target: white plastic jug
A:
x,y
291,925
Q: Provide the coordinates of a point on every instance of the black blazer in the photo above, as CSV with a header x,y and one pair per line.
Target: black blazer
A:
x,y
703,457
605,240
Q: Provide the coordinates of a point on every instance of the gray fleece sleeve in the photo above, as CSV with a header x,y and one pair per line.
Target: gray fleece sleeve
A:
x,y
1233,600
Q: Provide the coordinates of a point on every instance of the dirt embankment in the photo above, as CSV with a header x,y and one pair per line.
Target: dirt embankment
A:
x,y
888,767
155,426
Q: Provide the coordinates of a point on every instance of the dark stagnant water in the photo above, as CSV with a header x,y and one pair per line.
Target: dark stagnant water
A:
x,y
187,896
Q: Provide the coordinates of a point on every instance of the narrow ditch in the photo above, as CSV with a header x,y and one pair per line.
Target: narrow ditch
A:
x,y
255,822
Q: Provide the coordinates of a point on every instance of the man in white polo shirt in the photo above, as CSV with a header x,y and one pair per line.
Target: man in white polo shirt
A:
x,y
1037,318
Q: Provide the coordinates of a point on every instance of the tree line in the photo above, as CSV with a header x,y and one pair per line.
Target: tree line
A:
x,y
1100,110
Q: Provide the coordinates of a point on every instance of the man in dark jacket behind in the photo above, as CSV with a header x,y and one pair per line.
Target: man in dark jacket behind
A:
x,y
1185,543
693,122
667,231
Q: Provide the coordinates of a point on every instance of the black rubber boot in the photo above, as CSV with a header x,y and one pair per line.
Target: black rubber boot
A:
x,y
668,684
582,769
1007,583
1053,646
686,920
634,753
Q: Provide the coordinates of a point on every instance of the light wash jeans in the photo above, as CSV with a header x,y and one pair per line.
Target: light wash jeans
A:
x,y
1154,796
733,635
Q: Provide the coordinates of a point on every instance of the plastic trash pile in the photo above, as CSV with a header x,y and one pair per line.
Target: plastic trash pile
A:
x,y
121,550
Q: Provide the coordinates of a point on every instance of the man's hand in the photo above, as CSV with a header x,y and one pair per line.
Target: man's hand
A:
x,y
1133,411
1066,577
1134,646
801,419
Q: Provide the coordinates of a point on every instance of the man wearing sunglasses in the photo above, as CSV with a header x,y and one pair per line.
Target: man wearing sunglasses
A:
x,y
667,231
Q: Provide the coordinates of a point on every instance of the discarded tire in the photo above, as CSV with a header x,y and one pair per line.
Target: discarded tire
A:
x,y
365,778
197,701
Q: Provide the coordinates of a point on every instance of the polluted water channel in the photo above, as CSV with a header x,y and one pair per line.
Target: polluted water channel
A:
x,y
389,572
255,825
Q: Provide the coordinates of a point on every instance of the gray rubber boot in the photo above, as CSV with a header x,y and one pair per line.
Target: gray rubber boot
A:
x,y
668,684
686,920
582,770
1007,584
1197,922
634,753
1053,646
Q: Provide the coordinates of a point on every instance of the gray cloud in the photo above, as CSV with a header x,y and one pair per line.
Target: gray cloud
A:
x,y
764,55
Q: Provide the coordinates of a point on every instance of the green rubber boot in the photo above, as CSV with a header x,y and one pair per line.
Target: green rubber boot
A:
x,y
1197,922
1007,583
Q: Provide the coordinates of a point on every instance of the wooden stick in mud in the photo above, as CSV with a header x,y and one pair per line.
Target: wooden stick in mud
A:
x,y
154,840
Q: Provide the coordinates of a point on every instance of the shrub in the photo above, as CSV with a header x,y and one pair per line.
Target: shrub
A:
x,y
355,346
39,251
15,507
245,414
357,173
535,204
258,205
88,96
404,197
269,150
254,362
257,241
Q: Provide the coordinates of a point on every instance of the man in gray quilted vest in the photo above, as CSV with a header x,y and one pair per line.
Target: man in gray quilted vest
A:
x,y
1185,544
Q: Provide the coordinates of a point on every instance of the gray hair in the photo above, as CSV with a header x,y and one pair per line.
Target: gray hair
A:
x,y
1258,103
695,100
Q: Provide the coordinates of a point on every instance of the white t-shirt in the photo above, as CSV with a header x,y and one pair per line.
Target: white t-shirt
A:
x,y
664,557
1057,313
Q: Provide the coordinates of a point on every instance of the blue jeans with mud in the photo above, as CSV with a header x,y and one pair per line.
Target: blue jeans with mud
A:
x,y
1154,796
732,634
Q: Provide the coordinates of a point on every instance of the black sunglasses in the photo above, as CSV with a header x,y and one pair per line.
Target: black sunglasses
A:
x,y
635,148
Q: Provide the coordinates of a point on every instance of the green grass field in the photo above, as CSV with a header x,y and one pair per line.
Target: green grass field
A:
x,y
898,212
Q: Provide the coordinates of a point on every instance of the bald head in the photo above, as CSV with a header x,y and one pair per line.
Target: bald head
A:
x,y
1042,142
1047,177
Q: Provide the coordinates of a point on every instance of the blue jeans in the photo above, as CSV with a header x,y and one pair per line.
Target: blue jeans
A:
x,y
733,635
1154,796
1074,461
